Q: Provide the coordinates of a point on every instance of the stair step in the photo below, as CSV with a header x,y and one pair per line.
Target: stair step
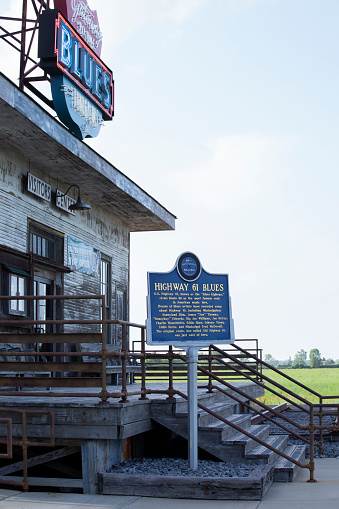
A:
x,y
215,397
238,419
220,431
207,399
235,447
221,440
264,454
259,430
285,470
205,418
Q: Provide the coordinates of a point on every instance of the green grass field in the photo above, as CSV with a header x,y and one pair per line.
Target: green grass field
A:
x,y
323,381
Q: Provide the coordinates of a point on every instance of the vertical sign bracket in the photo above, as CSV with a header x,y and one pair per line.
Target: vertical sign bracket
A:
x,y
192,391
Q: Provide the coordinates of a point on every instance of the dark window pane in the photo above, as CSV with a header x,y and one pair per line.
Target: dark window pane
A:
x,y
47,245
51,250
44,247
34,246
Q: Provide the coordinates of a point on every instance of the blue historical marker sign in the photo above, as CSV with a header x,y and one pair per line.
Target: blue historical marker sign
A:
x,y
188,306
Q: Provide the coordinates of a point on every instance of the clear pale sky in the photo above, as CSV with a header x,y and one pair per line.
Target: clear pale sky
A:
x,y
226,112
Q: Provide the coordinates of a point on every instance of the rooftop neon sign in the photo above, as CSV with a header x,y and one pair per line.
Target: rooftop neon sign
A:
x,y
84,20
82,76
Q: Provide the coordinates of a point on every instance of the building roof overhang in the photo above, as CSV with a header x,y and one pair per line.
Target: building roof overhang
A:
x,y
30,130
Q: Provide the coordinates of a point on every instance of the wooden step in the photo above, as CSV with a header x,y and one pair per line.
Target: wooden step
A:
x,y
285,470
239,439
205,419
220,431
262,454
221,440
206,399
234,448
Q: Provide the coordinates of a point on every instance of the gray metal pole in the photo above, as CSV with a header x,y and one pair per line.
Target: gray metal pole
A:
x,y
192,359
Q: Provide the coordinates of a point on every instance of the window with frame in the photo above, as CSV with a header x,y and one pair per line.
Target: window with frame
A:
x,y
105,289
17,288
15,285
45,244
120,312
43,309
104,282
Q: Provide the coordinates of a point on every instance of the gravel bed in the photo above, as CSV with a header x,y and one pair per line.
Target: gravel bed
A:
x,y
179,468
330,448
331,441
301,418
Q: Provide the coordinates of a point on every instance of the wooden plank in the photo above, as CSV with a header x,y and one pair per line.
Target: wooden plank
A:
x,y
215,488
74,382
39,460
135,428
68,337
67,431
45,481
78,412
54,367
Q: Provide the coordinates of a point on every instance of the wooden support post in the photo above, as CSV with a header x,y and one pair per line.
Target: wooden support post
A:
x,y
98,456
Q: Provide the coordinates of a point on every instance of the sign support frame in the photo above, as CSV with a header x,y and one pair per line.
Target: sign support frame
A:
x,y
192,353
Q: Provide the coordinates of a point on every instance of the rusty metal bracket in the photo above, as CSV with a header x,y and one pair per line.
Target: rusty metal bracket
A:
x,y
9,442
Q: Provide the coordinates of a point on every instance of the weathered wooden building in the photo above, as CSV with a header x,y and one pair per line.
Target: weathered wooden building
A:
x,y
48,252
46,249
58,354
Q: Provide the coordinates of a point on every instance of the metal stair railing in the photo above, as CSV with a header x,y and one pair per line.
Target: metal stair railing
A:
x,y
309,465
244,363
321,406
24,442
257,374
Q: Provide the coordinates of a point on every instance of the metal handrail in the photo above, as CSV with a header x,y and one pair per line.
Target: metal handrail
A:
x,y
250,435
61,366
311,427
276,370
25,442
214,355
315,393
291,393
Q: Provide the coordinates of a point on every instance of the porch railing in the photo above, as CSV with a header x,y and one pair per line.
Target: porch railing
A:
x,y
59,368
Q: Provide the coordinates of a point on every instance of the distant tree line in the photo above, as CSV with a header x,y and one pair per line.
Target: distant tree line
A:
x,y
315,360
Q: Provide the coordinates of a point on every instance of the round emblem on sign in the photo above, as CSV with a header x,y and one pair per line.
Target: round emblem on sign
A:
x,y
188,266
